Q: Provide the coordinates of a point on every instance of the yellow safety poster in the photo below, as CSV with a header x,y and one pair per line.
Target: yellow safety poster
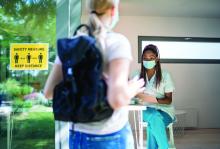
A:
x,y
29,56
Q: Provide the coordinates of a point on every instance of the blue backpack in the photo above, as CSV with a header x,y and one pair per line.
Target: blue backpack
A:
x,y
81,95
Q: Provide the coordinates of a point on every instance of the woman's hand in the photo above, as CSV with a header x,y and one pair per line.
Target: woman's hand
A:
x,y
143,97
136,86
120,90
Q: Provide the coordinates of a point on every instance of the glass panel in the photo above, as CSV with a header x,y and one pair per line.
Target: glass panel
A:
x,y
26,118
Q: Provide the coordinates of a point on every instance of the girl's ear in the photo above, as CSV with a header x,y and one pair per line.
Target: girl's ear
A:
x,y
112,11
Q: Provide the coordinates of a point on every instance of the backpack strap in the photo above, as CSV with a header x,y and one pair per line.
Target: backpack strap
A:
x,y
71,51
87,28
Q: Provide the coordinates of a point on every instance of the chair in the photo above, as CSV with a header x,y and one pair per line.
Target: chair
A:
x,y
171,137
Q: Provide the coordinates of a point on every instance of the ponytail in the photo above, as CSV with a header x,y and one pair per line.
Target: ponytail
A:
x,y
98,29
98,8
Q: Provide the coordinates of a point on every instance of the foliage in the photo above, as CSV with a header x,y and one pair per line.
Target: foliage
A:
x,y
4,59
26,90
30,143
37,99
40,7
32,76
41,10
30,122
22,96
20,105
3,96
36,128
10,87
13,89
27,21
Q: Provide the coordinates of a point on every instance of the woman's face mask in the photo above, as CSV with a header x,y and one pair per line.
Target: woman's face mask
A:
x,y
115,19
149,64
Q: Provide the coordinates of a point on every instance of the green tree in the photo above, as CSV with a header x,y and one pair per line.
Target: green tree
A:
x,y
28,21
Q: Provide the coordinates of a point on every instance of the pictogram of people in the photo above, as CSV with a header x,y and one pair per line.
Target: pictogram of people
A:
x,y
28,58
40,57
16,57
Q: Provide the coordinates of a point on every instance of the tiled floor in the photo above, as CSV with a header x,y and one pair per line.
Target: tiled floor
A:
x,y
198,139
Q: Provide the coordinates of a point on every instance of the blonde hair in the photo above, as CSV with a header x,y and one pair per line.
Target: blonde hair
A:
x,y
98,8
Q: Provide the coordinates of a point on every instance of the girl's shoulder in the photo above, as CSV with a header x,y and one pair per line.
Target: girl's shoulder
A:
x,y
117,37
165,73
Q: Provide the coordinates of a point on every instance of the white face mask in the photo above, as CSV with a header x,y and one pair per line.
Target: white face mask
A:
x,y
115,19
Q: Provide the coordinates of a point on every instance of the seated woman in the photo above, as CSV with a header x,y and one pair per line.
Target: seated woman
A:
x,y
158,98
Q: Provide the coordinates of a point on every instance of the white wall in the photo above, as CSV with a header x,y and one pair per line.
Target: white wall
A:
x,y
197,85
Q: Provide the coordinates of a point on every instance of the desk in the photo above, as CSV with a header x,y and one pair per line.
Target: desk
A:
x,y
6,111
139,120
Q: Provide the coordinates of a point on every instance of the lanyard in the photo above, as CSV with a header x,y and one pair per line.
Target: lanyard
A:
x,y
150,87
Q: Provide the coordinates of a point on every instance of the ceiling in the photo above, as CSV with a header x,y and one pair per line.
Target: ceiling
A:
x,y
171,8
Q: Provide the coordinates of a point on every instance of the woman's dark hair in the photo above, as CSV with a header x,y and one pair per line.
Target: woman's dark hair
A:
x,y
155,50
